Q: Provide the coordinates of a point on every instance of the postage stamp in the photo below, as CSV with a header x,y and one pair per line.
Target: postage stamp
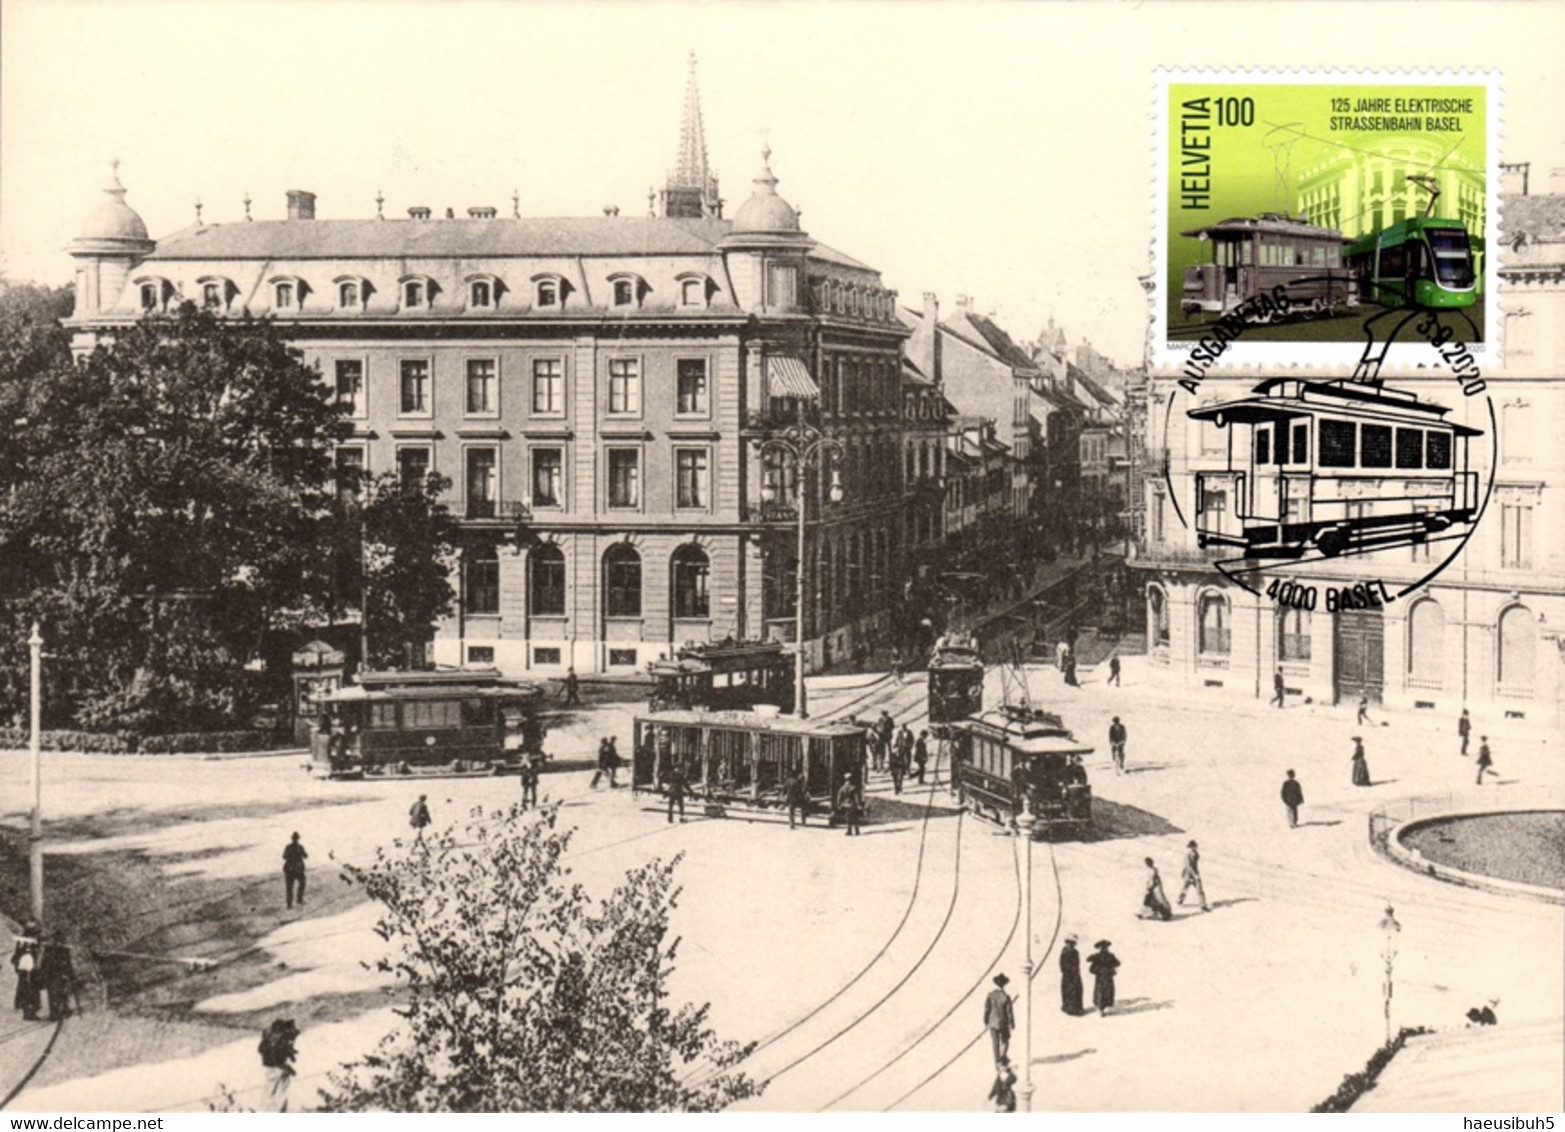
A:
x,y
1318,219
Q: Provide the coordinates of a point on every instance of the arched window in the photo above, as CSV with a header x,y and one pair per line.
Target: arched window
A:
x,y
151,296
622,582
480,295
481,581
1518,651
624,292
1157,616
212,296
1426,645
283,296
415,294
692,292
546,581
548,293
1293,635
692,573
1213,625
348,294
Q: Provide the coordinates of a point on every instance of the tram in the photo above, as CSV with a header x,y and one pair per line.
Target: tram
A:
x,y
743,758
1012,757
727,676
1268,255
454,722
1423,261
956,682
1332,468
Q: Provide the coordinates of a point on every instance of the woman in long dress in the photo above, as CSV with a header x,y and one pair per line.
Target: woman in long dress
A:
x,y
1070,978
1360,764
1154,901
1102,964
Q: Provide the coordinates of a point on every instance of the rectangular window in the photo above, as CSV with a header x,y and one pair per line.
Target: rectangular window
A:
x,y
481,585
1515,536
624,477
1374,446
1263,445
692,472
383,716
483,483
480,654
548,477
1337,443
415,387
781,285
1410,448
548,386
624,385
482,386
622,658
692,393
413,463
546,656
433,715
350,472
1438,449
350,387
1301,444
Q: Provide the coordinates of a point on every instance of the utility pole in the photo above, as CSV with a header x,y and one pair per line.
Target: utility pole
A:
x,y
1025,823
35,746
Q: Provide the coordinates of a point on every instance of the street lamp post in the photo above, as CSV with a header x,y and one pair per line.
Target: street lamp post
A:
x,y
806,446
35,748
1388,954
1025,823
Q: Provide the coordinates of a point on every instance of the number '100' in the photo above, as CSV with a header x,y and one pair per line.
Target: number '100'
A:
x,y
1236,111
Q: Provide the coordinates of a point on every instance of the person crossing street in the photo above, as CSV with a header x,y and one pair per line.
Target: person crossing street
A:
x,y
1191,877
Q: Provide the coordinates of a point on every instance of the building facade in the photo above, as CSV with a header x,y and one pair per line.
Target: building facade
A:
x,y
1487,633
595,389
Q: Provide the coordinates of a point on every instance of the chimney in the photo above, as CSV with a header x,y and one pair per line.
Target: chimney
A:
x,y
928,338
418,212
450,214
482,212
931,308
964,303
301,205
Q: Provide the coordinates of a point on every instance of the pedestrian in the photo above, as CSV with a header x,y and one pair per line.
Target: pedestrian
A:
x,y
608,763
848,805
1360,764
1464,728
1485,762
1191,876
418,817
25,954
884,727
58,975
570,689
999,1019
798,795
1279,689
1117,737
1363,716
1070,670
901,757
1293,798
920,756
676,791
1070,978
1154,901
293,870
877,750
1061,651
1114,669
1003,1091
277,1057
529,781
898,666
1103,964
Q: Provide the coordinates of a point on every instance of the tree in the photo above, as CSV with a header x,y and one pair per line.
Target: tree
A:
x,y
408,543
168,504
523,995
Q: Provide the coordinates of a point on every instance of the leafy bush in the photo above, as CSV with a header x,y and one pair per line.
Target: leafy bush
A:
x,y
90,742
1355,1085
120,743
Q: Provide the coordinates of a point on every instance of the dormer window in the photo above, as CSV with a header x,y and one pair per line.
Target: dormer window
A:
x,y
483,292
418,292
624,293
151,300
284,296
287,293
348,294
154,294
548,294
694,290
212,296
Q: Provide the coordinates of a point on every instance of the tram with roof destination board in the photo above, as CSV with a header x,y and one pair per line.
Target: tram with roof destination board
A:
x,y
1011,757
745,759
726,676
465,722
1334,467
955,683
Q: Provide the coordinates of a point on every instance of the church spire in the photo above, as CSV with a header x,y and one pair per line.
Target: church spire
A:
x,y
691,190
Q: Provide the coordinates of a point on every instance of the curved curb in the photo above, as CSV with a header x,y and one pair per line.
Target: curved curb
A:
x,y
1390,845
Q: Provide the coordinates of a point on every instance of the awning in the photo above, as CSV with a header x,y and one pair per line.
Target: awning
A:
x,y
788,377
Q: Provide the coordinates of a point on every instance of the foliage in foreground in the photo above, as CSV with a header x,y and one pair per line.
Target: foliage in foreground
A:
x,y
525,995
1355,1085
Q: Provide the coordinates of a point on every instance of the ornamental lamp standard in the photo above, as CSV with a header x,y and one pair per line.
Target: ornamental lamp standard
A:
x,y
35,747
806,447
1388,954
1025,823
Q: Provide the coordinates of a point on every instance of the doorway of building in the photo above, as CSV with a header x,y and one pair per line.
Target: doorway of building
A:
x,y
1360,653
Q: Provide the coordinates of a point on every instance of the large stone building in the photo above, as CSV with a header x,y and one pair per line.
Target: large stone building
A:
x,y
1488,632
594,388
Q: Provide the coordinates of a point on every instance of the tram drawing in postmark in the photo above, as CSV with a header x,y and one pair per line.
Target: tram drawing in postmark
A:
x,y
1308,219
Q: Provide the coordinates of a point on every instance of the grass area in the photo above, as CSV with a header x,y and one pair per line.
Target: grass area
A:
x,y
1528,847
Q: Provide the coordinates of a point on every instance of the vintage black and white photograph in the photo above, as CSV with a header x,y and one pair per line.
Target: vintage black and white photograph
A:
x,y
778,558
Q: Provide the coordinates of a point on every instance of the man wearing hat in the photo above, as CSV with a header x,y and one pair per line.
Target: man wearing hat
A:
x,y
293,870
1191,875
848,805
1293,798
1070,977
24,961
1103,964
999,1018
